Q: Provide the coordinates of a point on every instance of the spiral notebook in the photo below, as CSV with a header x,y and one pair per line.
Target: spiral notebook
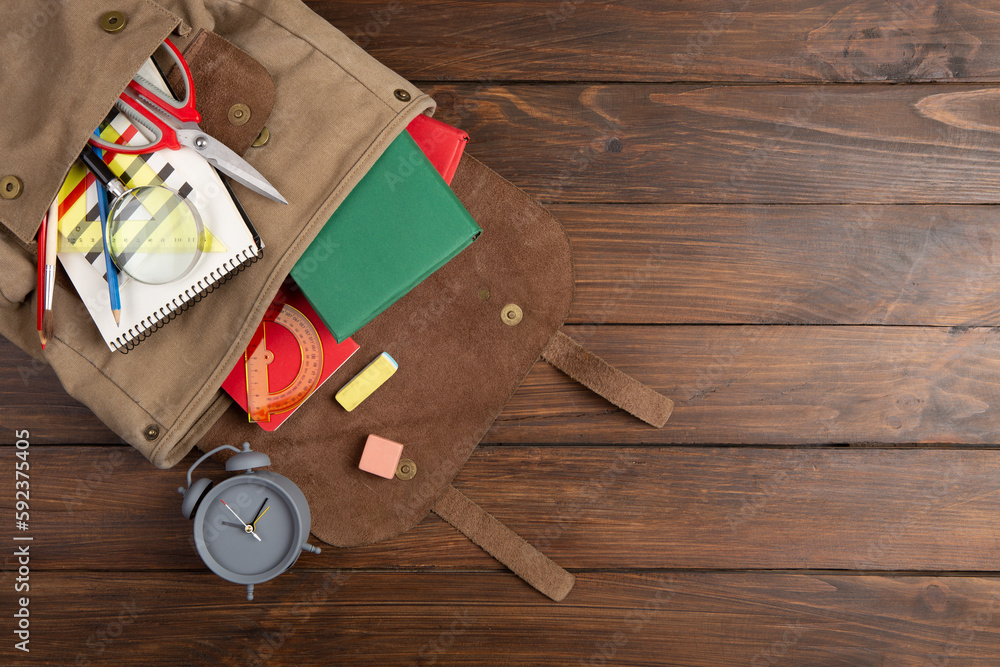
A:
x,y
229,243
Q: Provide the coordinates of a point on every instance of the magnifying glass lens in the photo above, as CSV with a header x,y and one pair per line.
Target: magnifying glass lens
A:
x,y
154,234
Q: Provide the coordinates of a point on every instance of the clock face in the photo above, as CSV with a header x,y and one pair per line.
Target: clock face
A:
x,y
270,545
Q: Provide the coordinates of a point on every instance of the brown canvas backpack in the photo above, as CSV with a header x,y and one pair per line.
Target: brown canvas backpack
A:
x,y
464,339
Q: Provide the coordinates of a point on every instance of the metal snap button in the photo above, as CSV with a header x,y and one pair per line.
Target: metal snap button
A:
x,y
511,314
406,469
402,95
239,114
10,187
152,432
262,138
113,22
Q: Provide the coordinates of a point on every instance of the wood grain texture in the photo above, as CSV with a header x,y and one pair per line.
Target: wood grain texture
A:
x,y
705,264
592,508
32,398
712,40
774,385
791,264
731,144
664,618
750,384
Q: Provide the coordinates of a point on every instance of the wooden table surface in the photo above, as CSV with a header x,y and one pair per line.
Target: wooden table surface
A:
x,y
802,256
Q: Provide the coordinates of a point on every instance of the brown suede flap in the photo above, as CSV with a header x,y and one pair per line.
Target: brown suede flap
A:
x,y
233,92
459,363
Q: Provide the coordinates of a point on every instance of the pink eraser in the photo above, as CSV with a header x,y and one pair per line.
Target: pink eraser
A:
x,y
381,456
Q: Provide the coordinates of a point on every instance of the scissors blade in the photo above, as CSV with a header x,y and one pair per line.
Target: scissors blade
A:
x,y
228,162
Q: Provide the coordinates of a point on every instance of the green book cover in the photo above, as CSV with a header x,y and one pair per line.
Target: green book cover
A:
x,y
399,224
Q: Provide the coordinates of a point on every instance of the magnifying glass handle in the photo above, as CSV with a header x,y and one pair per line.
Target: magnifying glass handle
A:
x,y
101,171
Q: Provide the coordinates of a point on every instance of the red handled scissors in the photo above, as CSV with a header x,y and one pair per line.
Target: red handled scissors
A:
x,y
174,123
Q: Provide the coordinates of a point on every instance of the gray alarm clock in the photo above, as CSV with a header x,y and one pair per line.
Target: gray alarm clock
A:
x,y
249,528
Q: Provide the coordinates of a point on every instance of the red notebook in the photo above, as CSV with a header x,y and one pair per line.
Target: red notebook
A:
x,y
440,142
292,352
290,356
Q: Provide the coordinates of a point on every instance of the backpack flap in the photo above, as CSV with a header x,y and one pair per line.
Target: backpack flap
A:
x,y
464,340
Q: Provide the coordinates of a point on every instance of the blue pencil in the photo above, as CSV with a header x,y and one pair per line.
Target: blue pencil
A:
x,y
102,204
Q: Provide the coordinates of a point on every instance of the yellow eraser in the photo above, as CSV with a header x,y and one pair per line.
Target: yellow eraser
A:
x,y
367,381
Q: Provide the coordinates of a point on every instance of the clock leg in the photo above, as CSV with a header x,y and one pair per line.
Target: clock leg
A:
x,y
249,591
310,548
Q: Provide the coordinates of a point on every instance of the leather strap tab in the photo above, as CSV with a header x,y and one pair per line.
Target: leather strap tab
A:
x,y
504,544
605,380
234,92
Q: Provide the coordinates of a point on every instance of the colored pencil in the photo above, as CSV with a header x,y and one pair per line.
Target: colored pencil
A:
x,y
112,270
41,278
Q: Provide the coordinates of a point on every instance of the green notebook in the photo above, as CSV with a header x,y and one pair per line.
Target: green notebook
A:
x,y
399,224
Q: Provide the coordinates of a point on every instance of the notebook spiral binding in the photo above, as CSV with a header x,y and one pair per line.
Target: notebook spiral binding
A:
x,y
203,287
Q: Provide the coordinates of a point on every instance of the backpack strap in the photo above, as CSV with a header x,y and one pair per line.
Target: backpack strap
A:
x,y
500,541
503,544
605,380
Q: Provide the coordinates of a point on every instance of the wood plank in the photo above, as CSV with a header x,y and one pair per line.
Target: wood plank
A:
x,y
774,385
803,264
765,144
684,555
747,384
710,40
476,619
585,507
926,265
32,398
700,264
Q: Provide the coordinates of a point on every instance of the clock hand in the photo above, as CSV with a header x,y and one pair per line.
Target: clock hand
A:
x,y
253,521
246,527
230,523
259,518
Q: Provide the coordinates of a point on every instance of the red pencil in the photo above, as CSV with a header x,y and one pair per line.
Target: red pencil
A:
x,y
41,277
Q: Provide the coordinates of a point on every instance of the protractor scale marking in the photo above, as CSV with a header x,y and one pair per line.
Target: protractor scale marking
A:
x,y
261,401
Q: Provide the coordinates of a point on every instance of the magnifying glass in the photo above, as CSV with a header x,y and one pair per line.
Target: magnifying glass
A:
x,y
154,235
